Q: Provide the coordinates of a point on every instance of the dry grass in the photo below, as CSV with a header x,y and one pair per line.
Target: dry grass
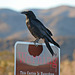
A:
x,y
67,67
7,65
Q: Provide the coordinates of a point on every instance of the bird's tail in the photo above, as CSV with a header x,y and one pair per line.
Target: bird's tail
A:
x,y
48,46
52,41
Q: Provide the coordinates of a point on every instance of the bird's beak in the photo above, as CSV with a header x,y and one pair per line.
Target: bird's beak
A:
x,y
24,12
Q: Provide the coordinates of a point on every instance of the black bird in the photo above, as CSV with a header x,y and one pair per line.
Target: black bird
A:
x,y
38,30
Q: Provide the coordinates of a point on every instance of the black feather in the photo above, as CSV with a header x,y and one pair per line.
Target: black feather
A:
x,y
48,46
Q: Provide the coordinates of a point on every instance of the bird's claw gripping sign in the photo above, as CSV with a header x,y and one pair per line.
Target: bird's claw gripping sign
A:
x,y
36,60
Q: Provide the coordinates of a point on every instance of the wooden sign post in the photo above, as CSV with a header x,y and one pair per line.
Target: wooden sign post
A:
x,y
36,60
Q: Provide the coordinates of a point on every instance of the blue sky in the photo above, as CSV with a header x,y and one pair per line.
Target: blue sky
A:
x,y
42,4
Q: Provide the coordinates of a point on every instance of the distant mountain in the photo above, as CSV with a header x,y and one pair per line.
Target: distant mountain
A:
x,y
60,20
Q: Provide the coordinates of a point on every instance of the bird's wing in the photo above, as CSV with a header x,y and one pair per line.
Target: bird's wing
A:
x,y
41,26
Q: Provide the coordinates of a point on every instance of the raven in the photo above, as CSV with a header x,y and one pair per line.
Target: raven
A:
x,y
38,30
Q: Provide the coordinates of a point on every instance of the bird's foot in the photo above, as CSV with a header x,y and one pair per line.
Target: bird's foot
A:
x,y
35,42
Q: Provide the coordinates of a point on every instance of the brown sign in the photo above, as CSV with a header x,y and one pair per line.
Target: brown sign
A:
x,y
36,60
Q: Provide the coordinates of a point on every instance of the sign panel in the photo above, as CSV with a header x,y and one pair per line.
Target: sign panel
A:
x,y
36,60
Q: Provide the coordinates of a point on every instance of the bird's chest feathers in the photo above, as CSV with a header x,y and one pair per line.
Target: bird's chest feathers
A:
x,y
27,23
